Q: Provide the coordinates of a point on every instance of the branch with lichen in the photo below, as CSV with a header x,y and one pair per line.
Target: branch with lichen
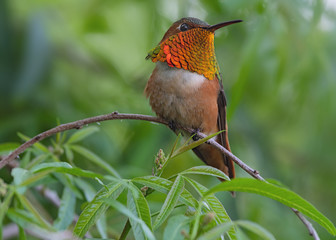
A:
x,y
115,115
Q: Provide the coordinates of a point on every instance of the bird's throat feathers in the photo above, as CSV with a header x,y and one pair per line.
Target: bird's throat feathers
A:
x,y
192,50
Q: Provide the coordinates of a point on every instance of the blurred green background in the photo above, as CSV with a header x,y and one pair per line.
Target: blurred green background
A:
x,y
67,60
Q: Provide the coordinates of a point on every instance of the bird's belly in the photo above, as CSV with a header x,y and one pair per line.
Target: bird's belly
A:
x,y
183,110
178,95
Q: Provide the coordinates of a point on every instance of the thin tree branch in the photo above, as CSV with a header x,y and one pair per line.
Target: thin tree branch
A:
x,y
76,125
255,174
115,115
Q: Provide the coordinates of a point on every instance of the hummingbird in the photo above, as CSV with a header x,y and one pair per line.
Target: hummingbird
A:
x,y
185,88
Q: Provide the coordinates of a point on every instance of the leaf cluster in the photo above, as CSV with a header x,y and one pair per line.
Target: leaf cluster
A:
x,y
89,200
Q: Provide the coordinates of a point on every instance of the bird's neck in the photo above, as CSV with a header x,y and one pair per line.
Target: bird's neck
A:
x,y
192,50
176,79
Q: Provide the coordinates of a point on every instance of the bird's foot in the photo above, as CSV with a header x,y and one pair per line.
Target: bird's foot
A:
x,y
194,133
172,125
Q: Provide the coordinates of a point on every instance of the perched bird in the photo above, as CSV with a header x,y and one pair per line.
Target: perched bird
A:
x,y
185,87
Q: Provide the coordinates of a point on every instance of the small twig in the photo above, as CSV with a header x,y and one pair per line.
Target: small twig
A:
x,y
255,174
311,229
76,125
115,115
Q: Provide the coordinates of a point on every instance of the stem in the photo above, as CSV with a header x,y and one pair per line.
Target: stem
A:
x,y
125,230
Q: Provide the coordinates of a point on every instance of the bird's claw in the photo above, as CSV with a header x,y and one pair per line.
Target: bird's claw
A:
x,y
172,126
195,136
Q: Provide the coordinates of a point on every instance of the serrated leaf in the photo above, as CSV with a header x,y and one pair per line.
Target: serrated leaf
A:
x,y
192,145
279,194
96,207
216,232
95,159
141,208
206,170
170,202
136,225
174,227
164,185
256,228
82,133
215,206
66,210
121,208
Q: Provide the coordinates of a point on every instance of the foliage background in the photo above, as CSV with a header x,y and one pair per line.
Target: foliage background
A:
x,y
69,60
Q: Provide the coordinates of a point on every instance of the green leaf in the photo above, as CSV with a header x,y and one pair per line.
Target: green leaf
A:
x,y
256,228
121,208
6,148
164,185
63,167
138,204
175,226
6,201
197,219
215,206
43,169
170,202
46,166
22,218
38,159
66,210
25,159
67,181
216,232
37,145
68,153
88,190
19,176
95,159
192,145
175,145
277,193
101,226
82,133
32,210
206,170
96,207
136,225
22,234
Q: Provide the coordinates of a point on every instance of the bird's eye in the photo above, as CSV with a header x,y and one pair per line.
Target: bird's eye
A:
x,y
184,27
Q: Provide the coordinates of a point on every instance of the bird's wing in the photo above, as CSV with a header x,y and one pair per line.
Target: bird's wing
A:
x,y
222,125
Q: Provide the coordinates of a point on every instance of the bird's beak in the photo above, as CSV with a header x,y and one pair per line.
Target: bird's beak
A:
x,y
213,28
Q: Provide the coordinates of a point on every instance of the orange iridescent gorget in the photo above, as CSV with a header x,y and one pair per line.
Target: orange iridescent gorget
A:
x,y
192,50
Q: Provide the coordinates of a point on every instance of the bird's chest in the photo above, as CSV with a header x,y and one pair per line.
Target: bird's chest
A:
x,y
180,95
